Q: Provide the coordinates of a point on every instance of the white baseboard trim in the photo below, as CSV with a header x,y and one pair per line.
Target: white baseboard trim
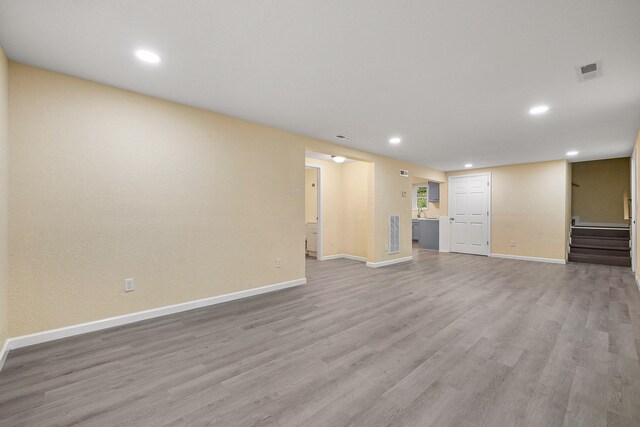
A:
x,y
83,328
345,256
634,275
530,258
389,262
4,353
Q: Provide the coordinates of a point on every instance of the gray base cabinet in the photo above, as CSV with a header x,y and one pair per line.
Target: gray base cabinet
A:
x,y
415,230
430,234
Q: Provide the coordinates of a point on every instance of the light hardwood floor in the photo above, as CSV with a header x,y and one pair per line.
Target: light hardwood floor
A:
x,y
444,340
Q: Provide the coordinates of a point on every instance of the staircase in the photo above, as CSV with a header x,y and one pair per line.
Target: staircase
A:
x,y
596,245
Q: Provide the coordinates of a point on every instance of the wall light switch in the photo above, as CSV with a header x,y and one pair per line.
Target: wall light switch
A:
x,y
513,243
128,285
278,262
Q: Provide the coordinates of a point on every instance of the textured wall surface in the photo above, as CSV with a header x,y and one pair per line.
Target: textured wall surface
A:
x,y
108,184
4,203
602,185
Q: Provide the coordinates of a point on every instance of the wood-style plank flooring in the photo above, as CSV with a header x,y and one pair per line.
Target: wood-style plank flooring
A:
x,y
444,340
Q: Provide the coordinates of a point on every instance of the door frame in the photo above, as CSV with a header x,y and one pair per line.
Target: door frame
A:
x,y
634,210
488,197
319,253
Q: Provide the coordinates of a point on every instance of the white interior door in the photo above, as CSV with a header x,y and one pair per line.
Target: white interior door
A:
x,y
469,213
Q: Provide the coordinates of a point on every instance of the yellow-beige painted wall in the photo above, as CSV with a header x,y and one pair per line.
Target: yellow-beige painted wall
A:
x,y
355,209
529,204
602,183
4,202
108,184
310,195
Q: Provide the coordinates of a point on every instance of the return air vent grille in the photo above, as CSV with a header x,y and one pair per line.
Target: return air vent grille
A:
x,y
394,234
589,71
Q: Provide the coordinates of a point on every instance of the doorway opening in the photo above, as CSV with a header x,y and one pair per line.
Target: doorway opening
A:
x,y
338,208
312,212
602,212
425,213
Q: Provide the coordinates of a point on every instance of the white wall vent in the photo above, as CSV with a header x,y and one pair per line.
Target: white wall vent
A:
x,y
394,234
404,172
589,71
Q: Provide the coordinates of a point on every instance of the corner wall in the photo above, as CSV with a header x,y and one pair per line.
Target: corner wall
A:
x,y
4,201
529,204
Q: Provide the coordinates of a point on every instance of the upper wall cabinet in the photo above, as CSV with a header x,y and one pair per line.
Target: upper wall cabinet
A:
x,y
434,192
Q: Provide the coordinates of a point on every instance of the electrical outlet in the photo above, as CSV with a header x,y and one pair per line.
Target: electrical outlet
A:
x,y
278,262
513,243
128,285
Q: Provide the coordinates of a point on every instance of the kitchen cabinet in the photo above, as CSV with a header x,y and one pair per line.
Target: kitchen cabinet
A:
x,y
429,234
415,230
434,191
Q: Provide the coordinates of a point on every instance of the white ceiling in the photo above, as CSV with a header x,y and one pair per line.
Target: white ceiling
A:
x,y
454,79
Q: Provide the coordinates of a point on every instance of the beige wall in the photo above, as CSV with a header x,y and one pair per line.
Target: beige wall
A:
x,y
602,183
355,177
310,195
108,184
529,204
4,202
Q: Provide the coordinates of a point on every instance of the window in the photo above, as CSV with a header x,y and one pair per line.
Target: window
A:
x,y
420,197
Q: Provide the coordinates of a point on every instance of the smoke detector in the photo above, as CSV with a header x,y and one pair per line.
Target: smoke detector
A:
x,y
589,71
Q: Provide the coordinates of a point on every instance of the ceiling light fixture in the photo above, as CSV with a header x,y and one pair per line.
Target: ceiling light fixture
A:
x,y
538,109
468,165
148,56
395,140
572,153
338,159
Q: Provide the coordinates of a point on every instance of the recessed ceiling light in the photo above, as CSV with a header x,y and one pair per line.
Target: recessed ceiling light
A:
x,y
338,159
148,56
468,165
395,140
538,109
572,153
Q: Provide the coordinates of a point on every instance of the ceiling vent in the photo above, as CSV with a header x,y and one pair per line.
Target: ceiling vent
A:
x,y
589,71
